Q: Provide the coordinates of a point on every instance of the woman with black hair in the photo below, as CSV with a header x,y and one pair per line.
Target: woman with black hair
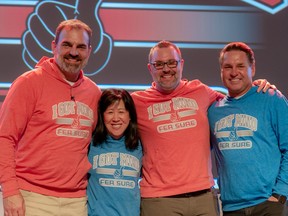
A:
x,y
115,154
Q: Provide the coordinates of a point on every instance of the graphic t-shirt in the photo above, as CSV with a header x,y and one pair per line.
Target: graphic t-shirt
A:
x,y
113,185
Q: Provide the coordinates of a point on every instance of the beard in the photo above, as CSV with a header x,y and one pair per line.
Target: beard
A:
x,y
70,67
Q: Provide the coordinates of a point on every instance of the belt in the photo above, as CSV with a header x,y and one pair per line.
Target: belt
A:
x,y
190,194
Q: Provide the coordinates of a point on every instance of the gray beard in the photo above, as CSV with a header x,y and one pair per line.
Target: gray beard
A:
x,y
69,68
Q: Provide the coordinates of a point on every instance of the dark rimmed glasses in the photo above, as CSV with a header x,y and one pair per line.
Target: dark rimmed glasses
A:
x,y
158,65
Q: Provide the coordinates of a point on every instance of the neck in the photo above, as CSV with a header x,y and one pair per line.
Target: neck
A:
x,y
166,91
72,77
238,95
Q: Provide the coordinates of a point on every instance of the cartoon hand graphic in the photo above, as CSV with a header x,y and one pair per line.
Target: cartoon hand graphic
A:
x,y
42,23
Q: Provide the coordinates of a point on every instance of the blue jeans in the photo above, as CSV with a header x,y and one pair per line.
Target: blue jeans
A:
x,y
267,208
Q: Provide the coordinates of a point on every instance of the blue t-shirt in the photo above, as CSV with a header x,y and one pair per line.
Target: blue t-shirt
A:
x,y
250,139
113,185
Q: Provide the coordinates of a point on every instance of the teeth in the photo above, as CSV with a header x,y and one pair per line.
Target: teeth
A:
x,y
74,60
116,126
235,80
167,76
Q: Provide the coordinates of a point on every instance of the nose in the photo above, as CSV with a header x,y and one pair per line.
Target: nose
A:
x,y
115,116
234,71
74,51
165,67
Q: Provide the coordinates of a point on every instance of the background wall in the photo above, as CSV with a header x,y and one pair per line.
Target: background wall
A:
x,y
125,32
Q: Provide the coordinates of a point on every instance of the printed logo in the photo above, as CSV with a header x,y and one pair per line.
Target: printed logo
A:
x,y
74,114
129,167
234,129
176,111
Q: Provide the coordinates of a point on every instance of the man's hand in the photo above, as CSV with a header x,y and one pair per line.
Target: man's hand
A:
x,y
14,205
264,85
272,199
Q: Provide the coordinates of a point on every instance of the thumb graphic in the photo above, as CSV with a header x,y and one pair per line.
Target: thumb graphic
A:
x,y
41,25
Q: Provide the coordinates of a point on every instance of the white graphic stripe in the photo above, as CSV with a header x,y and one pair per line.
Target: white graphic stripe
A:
x,y
109,171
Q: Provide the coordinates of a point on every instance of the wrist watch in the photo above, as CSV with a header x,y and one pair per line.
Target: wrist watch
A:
x,y
282,199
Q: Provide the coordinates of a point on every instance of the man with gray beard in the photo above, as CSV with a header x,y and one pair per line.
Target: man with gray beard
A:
x,y
46,122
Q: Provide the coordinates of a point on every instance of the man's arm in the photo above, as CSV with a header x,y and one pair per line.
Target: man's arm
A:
x,y
14,114
279,121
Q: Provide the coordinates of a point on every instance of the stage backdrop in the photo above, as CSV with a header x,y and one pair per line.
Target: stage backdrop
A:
x,y
125,31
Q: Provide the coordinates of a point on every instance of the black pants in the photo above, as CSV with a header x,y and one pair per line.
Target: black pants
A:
x,y
267,208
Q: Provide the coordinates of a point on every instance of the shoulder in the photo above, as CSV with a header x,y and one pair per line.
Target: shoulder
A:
x,y
195,82
196,85
138,95
29,78
91,83
270,94
276,97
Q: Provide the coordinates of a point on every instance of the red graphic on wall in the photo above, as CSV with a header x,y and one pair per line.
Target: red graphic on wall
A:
x,y
271,3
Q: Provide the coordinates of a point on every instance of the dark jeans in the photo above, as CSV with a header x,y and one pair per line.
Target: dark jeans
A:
x,y
267,208
204,204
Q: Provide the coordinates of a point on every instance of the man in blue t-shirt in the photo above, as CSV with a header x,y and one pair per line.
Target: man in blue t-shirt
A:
x,y
249,133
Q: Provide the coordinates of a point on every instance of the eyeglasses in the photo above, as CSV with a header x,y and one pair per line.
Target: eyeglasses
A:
x,y
158,65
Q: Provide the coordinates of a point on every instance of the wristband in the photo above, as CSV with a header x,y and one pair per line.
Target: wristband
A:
x,y
282,199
